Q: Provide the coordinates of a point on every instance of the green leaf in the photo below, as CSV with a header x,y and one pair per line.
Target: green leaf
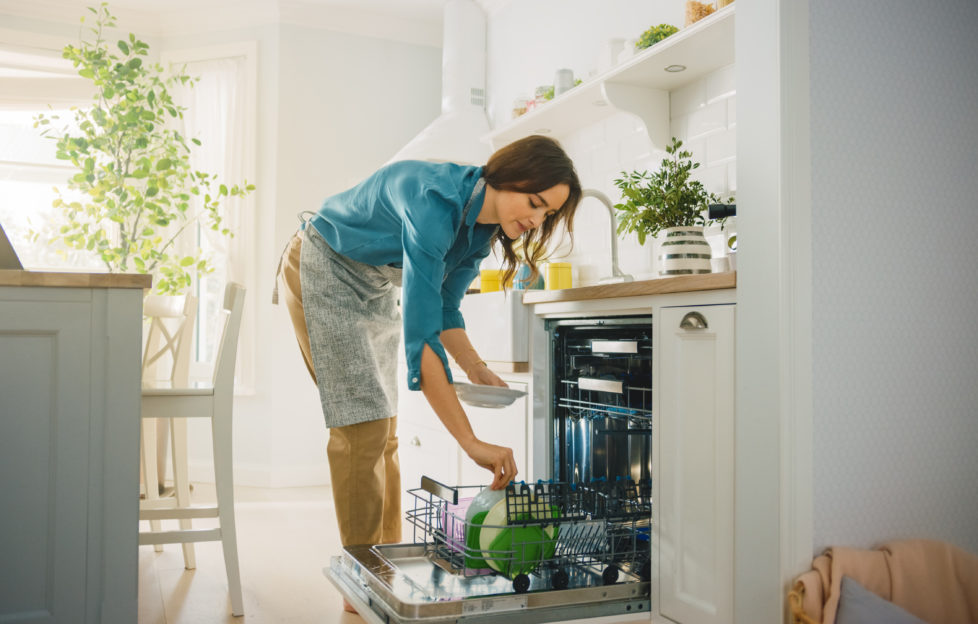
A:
x,y
163,163
124,47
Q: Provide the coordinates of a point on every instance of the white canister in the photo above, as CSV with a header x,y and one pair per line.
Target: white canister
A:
x,y
628,51
563,81
609,56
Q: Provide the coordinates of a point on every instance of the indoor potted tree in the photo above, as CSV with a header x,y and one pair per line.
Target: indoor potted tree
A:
x,y
133,168
671,205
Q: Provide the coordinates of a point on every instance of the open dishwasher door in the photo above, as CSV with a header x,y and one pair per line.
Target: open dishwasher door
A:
x,y
549,552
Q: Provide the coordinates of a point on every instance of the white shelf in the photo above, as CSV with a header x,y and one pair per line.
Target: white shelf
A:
x,y
640,85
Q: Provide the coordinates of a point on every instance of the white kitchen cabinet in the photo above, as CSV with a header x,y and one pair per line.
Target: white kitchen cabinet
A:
x,y
426,448
69,449
505,426
426,451
694,442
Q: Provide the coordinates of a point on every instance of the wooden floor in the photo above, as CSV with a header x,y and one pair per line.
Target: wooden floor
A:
x,y
285,539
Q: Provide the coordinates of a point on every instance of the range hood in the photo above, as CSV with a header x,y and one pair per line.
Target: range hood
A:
x,y
456,135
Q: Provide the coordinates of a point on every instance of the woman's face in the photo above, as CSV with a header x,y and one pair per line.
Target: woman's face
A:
x,y
518,212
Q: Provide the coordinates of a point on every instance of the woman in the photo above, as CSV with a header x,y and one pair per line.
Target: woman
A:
x,y
424,227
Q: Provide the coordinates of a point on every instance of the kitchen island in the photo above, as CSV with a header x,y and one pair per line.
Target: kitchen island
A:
x,y
70,346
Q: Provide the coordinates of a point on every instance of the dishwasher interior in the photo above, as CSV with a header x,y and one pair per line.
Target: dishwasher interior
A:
x,y
574,546
601,414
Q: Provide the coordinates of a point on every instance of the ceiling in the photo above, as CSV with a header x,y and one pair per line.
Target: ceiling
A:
x,y
156,17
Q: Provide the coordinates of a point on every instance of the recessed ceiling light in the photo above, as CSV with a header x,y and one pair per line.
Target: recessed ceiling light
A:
x,y
676,68
542,131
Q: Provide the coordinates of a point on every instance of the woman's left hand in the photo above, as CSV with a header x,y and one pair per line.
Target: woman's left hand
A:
x,y
480,374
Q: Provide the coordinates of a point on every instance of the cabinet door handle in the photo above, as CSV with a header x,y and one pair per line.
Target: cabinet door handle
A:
x,y
415,441
693,320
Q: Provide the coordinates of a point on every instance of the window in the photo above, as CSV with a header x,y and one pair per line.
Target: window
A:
x,y
33,81
221,114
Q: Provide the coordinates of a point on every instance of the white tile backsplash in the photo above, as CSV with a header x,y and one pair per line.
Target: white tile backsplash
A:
x,y
702,116
634,148
721,148
721,84
687,99
713,178
709,119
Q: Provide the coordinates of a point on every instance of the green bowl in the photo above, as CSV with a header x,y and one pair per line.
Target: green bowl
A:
x,y
472,543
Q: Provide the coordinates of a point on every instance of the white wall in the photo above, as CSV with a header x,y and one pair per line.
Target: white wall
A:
x,y
529,40
332,108
894,135
550,34
346,104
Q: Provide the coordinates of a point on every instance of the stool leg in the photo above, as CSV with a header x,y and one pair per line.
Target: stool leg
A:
x,y
150,474
224,480
181,482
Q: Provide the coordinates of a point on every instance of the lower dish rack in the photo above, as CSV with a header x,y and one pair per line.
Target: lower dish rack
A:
x,y
556,533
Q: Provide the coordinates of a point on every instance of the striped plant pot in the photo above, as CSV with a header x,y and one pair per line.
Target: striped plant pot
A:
x,y
684,251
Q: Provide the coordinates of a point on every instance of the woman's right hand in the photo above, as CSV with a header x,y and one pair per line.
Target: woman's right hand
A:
x,y
496,459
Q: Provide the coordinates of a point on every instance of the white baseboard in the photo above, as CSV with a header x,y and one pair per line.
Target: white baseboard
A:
x,y
262,475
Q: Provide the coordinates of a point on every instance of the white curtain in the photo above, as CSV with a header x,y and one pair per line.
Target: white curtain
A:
x,y
216,115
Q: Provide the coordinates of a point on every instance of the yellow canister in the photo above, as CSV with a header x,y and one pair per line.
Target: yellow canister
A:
x,y
490,280
559,275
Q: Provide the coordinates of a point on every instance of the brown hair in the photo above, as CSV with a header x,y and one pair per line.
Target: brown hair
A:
x,y
531,165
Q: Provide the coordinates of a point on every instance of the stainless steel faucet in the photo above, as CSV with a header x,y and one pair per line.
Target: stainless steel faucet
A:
x,y
616,274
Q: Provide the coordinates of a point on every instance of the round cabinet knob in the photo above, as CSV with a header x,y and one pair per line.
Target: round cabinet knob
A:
x,y
693,320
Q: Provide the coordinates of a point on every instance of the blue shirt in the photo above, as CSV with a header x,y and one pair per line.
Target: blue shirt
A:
x,y
409,215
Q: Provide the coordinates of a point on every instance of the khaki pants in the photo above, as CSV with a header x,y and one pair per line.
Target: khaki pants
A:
x,y
363,464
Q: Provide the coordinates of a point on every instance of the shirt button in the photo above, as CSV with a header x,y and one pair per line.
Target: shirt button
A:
x,y
414,380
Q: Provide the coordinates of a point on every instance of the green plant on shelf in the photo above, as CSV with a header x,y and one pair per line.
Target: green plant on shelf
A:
x,y
654,35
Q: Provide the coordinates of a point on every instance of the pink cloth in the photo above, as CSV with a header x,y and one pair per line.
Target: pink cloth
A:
x,y
933,580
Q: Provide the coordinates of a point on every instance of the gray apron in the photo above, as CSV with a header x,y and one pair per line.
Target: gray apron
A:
x,y
354,329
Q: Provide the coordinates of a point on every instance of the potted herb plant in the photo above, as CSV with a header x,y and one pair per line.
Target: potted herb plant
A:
x,y
671,205
133,168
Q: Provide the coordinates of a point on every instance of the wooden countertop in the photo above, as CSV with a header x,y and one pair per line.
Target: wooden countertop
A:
x,y
678,284
74,280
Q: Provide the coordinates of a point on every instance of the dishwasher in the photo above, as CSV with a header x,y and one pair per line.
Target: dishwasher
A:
x,y
576,545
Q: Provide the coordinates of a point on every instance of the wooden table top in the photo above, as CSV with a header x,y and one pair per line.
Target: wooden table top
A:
x,y
74,280
678,284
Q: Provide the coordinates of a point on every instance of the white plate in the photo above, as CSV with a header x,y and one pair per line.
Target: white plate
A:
x,y
486,396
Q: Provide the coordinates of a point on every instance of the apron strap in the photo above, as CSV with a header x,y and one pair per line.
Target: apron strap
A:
x,y
304,218
479,185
